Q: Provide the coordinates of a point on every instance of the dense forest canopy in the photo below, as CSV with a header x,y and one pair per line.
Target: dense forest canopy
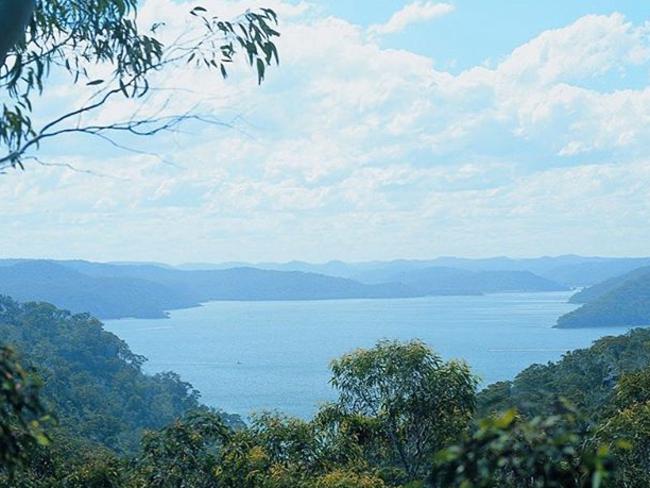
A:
x,y
91,379
403,418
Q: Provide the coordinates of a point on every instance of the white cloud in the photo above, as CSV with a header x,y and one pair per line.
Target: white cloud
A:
x,y
591,46
350,150
412,13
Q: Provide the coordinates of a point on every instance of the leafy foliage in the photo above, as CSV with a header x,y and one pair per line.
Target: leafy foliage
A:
x,y
74,36
22,414
92,380
183,453
609,384
627,428
507,452
404,418
408,401
585,377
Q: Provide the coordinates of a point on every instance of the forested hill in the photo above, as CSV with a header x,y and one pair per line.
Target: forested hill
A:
x,y
92,380
566,424
452,281
600,289
111,291
569,270
623,301
147,291
584,377
102,296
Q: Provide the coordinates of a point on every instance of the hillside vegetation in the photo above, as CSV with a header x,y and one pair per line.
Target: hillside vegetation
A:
x,y
598,290
616,303
106,297
452,281
403,418
584,377
91,378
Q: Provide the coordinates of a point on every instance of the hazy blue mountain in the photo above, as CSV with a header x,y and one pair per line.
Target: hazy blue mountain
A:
x,y
600,289
331,268
441,281
503,263
569,270
105,297
212,266
521,281
110,290
140,263
246,283
624,305
593,272
391,270
452,281
115,291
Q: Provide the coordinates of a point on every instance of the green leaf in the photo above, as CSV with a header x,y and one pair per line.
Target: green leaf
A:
x,y
197,10
260,70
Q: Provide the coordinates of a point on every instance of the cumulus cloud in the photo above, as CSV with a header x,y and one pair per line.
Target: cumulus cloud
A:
x,y
372,153
591,46
412,13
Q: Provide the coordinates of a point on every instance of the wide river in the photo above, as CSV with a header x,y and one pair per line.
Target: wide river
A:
x,y
252,356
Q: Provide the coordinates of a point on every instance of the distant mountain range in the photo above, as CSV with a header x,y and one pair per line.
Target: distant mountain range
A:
x,y
570,270
454,281
147,291
620,301
102,296
598,290
119,290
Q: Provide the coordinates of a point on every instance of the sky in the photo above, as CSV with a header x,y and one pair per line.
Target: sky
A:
x,y
390,129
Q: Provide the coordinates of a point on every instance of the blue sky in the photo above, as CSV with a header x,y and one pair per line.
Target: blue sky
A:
x,y
479,30
391,129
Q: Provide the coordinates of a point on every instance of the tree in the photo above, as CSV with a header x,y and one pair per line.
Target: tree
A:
x,y
273,452
283,452
22,414
508,452
627,428
183,454
91,379
74,37
586,378
14,16
404,402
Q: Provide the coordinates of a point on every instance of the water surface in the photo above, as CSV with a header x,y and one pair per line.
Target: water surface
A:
x,y
252,356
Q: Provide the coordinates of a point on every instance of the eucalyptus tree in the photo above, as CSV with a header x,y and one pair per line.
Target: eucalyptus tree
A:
x,y
183,454
507,451
22,414
46,38
14,16
627,428
403,403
